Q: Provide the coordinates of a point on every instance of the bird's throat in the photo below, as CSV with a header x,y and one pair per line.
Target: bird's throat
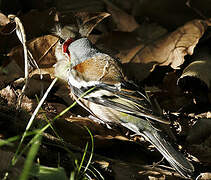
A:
x,y
66,45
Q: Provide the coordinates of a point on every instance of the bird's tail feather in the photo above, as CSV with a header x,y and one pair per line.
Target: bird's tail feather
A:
x,y
175,158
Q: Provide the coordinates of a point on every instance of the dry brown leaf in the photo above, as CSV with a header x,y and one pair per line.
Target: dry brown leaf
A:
x,y
3,20
82,22
130,171
171,97
171,49
205,176
9,73
196,70
79,135
123,21
89,21
36,85
125,46
10,96
141,54
42,50
36,23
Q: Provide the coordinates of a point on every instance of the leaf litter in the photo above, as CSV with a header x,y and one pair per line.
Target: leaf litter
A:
x,y
126,41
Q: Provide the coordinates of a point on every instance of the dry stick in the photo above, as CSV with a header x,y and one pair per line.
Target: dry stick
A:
x,y
22,37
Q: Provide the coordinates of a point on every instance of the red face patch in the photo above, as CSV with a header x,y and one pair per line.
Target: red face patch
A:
x,y
66,45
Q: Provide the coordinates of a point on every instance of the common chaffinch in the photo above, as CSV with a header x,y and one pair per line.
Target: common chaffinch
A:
x,y
98,84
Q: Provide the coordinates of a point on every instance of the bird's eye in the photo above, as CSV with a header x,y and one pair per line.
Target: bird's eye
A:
x,y
61,41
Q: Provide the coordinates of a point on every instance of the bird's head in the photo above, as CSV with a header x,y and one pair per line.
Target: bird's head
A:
x,y
73,43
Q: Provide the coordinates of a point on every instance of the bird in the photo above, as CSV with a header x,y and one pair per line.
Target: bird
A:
x,y
98,83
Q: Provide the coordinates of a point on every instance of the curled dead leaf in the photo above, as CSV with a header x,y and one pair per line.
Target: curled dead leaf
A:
x,y
171,49
82,22
89,21
142,55
197,70
196,79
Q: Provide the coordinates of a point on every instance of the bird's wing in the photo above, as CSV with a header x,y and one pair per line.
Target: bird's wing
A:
x,y
124,98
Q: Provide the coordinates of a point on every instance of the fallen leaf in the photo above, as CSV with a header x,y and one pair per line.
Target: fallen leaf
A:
x,y
126,45
205,176
199,70
9,73
141,55
171,49
63,92
195,80
42,50
3,20
129,171
11,97
123,21
36,23
81,22
9,94
89,21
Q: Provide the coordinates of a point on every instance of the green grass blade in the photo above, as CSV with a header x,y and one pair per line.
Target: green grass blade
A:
x,y
30,159
83,157
48,173
72,175
15,138
14,160
92,150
